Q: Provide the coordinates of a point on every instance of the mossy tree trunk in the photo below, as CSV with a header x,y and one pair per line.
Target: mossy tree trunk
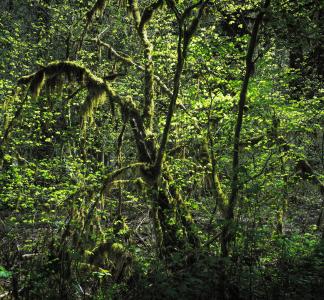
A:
x,y
172,222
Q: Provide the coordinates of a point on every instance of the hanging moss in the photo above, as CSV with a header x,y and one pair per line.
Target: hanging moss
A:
x,y
54,83
50,74
97,9
37,83
96,96
54,74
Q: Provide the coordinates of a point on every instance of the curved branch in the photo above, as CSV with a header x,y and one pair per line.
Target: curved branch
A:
x,y
98,91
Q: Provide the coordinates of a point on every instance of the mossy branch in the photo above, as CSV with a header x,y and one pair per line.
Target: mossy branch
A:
x,y
148,13
131,113
112,176
140,22
98,91
56,72
127,60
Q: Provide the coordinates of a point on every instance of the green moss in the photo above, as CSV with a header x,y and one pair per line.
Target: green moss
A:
x,y
97,95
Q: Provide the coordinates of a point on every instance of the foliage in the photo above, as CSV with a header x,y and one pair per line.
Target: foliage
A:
x,y
159,192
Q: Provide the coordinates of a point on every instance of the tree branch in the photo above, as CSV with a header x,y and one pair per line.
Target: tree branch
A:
x,y
126,59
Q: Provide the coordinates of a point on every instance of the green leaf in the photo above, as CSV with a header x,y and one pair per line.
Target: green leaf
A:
x,y
4,273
